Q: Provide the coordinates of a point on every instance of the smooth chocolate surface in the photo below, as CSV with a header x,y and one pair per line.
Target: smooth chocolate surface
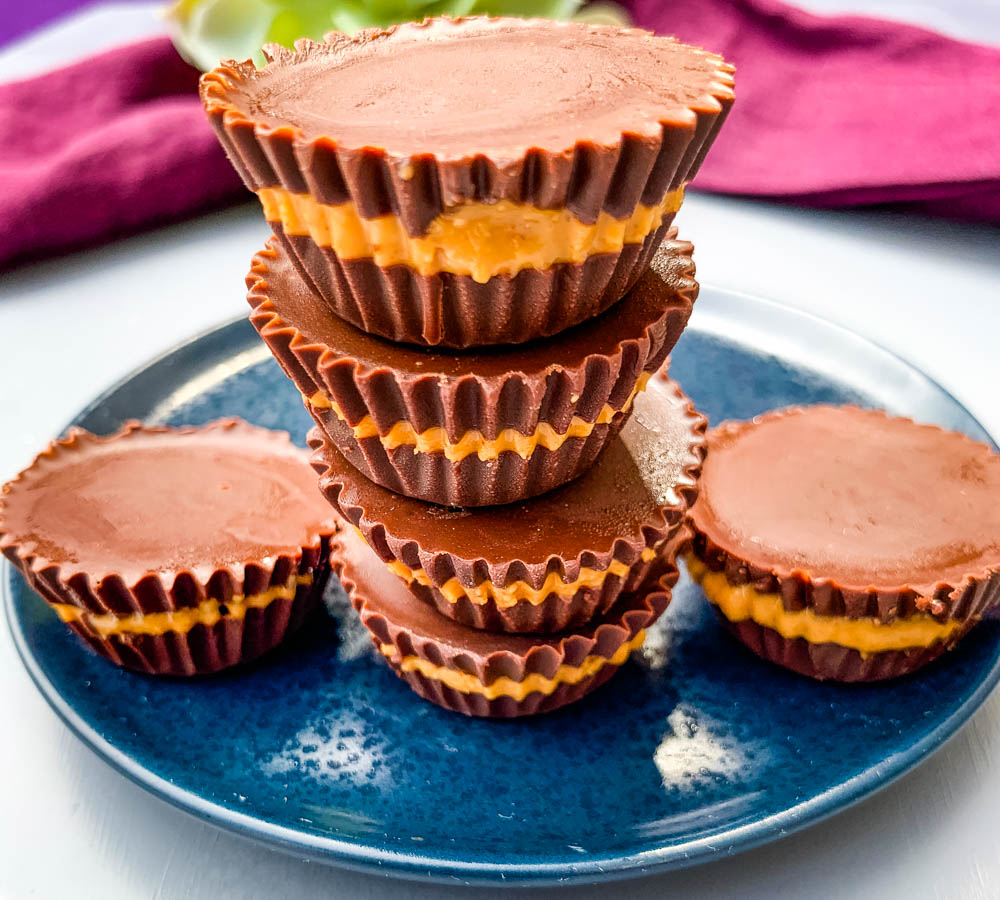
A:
x,y
638,489
480,86
855,497
164,501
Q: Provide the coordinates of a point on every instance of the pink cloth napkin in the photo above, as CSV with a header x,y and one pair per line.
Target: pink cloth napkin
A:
x,y
103,148
847,110
830,112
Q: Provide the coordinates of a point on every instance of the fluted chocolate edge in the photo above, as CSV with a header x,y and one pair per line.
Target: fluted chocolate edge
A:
x,y
442,566
515,400
799,589
832,662
470,482
603,638
206,649
108,593
648,159
448,310
556,613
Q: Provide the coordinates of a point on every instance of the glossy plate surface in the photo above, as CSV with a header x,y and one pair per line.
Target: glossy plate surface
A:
x,y
696,749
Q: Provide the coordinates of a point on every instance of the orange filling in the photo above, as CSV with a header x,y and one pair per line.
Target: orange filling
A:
x,y
510,595
480,240
208,612
466,683
436,440
740,603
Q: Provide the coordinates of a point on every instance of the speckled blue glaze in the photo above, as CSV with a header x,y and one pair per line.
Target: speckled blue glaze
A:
x,y
695,749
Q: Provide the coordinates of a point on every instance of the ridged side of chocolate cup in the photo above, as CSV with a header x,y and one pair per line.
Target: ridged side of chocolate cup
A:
x,y
644,162
509,396
831,662
602,638
552,389
648,159
153,593
470,482
206,649
535,703
960,600
441,566
799,590
448,310
557,613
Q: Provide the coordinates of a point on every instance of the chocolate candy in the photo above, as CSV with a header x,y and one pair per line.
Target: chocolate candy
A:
x,y
172,551
472,429
847,544
519,195
549,563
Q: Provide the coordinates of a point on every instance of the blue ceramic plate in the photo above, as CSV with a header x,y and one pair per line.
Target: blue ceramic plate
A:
x,y
696,749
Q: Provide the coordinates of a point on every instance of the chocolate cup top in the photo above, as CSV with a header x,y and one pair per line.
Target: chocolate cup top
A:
x,y
488,389
869,508
636,493
167,504
394,616
555,114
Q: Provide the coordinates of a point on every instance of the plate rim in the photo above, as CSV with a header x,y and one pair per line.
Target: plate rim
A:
x,y
593,868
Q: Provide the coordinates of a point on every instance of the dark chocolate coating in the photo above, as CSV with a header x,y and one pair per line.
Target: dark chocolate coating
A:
x,y
597,363
450,310
388,610
154,519
432,477
207,649
419,117
632,498
853,513
624,135
831,662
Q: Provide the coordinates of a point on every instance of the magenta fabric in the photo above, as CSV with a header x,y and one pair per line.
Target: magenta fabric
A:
x,y
105,147
841,111
830,112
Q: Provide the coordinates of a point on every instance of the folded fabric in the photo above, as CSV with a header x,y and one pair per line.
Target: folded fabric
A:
x,y
103,148
846,110
830,112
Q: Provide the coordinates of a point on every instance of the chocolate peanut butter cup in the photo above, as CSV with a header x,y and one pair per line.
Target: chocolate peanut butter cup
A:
x,y
495,675
546,564
464,182
172,551
472,429
844,543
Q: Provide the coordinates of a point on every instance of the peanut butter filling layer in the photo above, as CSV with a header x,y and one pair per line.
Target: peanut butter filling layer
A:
x,y
506,687
740,603
436,440
480,240
519,591
208,613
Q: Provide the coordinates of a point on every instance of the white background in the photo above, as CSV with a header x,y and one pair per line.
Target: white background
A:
x,y
70,826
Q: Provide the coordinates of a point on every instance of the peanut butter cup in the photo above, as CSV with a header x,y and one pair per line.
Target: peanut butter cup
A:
x,y
496,675
844,543
465,182
472,429
546,564
172,551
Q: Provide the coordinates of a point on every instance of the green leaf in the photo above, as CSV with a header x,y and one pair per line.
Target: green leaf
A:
x,y
207,31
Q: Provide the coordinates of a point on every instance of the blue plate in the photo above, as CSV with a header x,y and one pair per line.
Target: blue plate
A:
x,y
695,750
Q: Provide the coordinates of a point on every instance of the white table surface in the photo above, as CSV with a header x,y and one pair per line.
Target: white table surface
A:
x,y
70,826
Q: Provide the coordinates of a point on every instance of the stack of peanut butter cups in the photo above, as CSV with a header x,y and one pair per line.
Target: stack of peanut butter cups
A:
x,y
474,284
